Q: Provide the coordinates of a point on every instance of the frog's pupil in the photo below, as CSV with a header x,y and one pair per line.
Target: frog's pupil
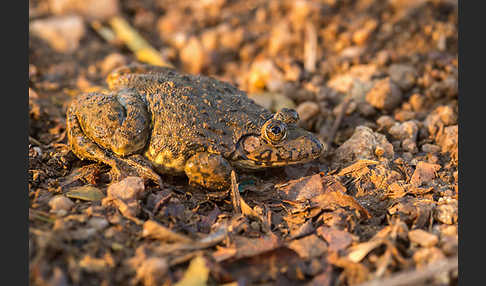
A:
x,y
276,130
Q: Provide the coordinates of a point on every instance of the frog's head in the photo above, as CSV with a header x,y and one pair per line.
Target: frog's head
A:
x,y
280,142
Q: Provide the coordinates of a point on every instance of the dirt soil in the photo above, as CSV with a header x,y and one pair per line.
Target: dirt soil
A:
x,y
376,80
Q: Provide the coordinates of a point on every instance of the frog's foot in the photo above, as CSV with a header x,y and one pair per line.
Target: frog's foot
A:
x,y
133,165
209,170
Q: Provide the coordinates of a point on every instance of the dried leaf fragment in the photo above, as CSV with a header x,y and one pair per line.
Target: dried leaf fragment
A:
x,y
331,199
197,273
302,189
337,239
424,172
358,252
357,168
85,193
152,229
308,247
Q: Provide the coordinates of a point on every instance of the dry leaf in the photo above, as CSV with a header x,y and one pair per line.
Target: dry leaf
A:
x,y
85,193
331,199
337,239
308,247
152,229
358,252
197,273
301,189
424,172
357,169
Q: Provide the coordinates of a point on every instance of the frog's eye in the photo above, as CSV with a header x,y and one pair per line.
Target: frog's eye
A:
x,y
287,115
274,130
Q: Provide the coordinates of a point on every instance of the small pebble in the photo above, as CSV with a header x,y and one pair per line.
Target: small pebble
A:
x,y
405,130
424,173
384,95
125,195
60,204
152,271
264,74
446,114
425,256
307,110
89,9
404,115
98,223
441,116
410,146
404,75
362,145
112,61
416,101
446,213
193,56
448,140
385,122
62,33
430,148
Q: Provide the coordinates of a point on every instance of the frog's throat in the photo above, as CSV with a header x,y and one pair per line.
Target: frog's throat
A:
x,y
258,165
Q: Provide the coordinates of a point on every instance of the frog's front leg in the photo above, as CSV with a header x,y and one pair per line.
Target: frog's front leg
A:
x,y
211,171
111,128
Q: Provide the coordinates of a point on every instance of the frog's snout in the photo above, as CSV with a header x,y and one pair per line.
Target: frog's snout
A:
x,y
317,147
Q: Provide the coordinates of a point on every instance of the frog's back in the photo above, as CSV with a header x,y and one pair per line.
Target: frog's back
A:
x,y
195,113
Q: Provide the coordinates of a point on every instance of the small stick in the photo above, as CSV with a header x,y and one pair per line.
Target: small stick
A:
x,y
310,48
337,122
235,193
34,141
122,30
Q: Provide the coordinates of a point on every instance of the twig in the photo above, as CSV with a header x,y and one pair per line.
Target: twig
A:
x,y
106,33
416,276
136,43
337,122
34,141
310,48
235,193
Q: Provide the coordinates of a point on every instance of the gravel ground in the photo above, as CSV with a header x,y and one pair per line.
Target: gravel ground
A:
x,y
376,80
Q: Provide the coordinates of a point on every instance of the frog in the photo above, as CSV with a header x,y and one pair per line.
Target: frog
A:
x,y
152,120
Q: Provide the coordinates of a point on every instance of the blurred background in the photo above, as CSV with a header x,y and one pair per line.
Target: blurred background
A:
x,y
305,54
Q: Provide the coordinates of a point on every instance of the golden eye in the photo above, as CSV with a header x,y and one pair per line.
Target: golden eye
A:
x,y
274,130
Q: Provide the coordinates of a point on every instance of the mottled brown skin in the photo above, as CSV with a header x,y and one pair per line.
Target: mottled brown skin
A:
x,y
154,118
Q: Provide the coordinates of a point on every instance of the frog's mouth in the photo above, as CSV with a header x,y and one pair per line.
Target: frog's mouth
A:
x,y
254,152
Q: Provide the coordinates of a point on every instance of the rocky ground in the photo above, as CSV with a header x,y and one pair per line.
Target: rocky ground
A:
x,y
376,80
